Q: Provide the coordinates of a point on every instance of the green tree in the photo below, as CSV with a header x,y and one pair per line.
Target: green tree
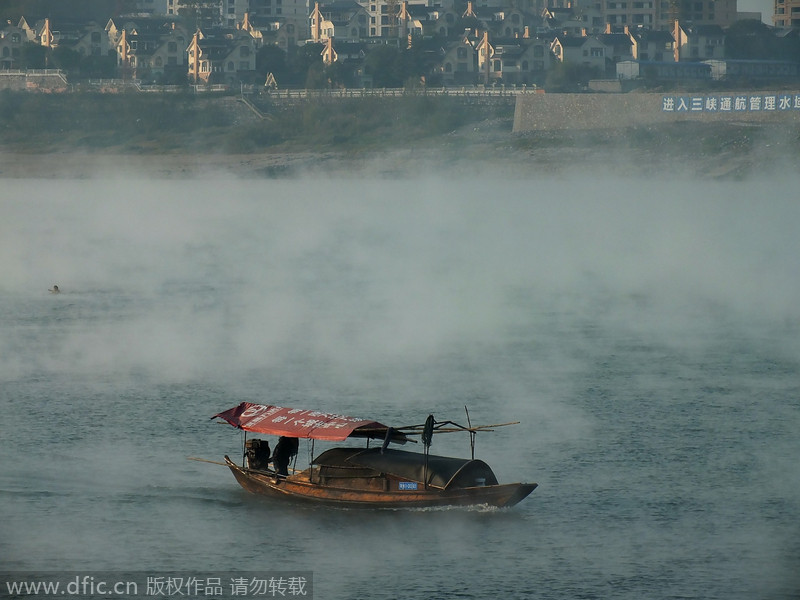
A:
x,y
386,65
66,59
33,56
272,59
301,60
99,66
315,77
749,39
752,39
339,75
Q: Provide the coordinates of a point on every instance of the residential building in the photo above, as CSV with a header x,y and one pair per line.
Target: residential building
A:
x,y
698,42
580,50
651,45
787,13
222,55
11,40
459,64
345,20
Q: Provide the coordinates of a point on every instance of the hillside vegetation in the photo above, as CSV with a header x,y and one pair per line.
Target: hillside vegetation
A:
x,y
40,123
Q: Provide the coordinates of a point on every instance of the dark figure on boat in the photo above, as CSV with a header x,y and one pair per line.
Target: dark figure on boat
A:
x,y
257,452
284,451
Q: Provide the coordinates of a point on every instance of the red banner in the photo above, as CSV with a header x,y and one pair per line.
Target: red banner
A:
x,y
297,422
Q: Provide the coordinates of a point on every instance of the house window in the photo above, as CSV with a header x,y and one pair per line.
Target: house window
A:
x,y
461,53
230,65
172,46
597,52
448,68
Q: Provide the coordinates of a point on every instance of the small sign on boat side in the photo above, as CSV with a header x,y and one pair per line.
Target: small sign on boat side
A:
x,y
407,485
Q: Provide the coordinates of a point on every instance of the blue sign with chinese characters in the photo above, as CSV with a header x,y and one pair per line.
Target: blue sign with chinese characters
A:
x,y
731,103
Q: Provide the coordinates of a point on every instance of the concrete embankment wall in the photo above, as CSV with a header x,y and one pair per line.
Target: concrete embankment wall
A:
x,y
47,81
552,112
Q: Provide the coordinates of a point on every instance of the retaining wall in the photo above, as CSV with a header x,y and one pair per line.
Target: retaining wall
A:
x,y
550,112
44,81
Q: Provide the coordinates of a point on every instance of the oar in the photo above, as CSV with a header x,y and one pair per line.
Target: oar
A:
x,y
205,460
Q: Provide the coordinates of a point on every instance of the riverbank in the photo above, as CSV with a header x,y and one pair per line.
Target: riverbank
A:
x,y
195,138
485,149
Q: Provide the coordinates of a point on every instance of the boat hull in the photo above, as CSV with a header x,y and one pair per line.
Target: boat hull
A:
x,y
298,487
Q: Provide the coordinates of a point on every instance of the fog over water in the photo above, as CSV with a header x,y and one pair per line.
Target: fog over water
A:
x,y
644,333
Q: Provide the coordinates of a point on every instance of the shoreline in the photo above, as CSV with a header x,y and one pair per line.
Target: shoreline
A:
x,y
483,149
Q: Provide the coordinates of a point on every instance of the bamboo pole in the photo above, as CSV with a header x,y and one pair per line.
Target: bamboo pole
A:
x,y
205,460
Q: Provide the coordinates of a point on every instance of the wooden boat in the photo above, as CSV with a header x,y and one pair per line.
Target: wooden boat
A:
x,y
367,477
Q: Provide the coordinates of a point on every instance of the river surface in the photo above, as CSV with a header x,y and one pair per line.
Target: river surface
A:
x,y
645,334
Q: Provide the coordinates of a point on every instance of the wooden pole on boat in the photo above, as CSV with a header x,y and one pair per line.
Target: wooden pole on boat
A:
x,y
427,440
471,434
311,463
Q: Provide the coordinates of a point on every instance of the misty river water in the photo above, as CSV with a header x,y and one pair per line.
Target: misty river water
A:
x,y
645,335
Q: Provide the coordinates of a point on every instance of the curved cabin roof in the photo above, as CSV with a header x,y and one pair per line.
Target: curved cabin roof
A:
x,y
442,472
304,423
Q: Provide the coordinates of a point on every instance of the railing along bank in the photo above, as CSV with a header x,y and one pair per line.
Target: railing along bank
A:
x,y
477,92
